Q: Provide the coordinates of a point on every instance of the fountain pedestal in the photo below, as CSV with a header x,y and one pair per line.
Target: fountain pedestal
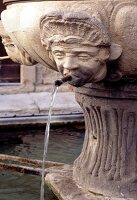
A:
x,y
107,165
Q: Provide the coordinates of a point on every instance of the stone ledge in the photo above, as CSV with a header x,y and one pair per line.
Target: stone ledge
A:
x,y
17,105
38,120
37,104
64,102
32,108
63,186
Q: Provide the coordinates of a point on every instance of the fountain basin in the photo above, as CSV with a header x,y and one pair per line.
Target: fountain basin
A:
x,y
28,143
26,31
21,22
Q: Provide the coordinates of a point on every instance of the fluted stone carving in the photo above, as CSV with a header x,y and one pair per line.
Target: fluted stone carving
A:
x,y
108,161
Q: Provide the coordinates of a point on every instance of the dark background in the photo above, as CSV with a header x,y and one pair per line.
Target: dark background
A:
x,y
9,71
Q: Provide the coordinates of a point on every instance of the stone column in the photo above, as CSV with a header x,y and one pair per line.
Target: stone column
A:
x,y
107,164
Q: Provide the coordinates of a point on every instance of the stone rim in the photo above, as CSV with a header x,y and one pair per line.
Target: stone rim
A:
x,y
19,1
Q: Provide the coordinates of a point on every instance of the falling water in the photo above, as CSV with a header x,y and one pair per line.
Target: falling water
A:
x,y
46,140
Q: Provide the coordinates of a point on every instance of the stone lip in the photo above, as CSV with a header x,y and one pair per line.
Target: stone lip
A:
x,y
6,2
62,184
118,90
18,1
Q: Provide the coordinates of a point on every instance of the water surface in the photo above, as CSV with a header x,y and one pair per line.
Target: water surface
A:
x,y
65,144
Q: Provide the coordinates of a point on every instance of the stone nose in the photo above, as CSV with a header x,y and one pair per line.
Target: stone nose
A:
x,y
70,63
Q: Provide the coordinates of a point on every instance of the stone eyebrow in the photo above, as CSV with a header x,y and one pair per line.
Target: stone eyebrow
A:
x,y
85,51
94,52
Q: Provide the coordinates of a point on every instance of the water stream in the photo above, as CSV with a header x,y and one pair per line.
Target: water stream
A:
x,y
47,130
46,141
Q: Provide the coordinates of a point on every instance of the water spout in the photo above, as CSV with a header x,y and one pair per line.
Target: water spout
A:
x,y
4,57
63,80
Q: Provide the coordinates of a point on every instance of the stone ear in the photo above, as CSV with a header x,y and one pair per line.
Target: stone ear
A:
x,y
115,51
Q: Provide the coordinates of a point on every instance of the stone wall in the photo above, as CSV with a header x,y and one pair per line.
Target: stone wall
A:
x,y
35,78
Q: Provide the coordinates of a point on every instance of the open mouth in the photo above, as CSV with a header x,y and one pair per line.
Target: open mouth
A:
x,y
75,80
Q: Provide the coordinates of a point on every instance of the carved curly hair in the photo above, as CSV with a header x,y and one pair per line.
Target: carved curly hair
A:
x,y
57,26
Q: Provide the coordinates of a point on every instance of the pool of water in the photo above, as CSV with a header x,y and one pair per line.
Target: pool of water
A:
x,y
65,144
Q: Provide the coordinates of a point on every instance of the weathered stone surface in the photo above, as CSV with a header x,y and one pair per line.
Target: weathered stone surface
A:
x,y
28,75
17,88
20,1
34,78
91,41
118,18
37,104
14,52
64,102
124,31
65,188
25,38
17,105
62,35
107,164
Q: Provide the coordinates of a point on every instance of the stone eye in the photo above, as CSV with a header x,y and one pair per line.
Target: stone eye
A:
x,y
84,56
59,54
10,45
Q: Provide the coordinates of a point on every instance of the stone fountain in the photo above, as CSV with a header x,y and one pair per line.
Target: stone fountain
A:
x,y
95,42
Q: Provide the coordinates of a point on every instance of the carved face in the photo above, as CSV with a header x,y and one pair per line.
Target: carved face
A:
x,y
11,49
80,45
84,63
15,53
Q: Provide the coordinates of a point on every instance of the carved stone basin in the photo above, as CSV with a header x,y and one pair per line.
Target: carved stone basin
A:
x,y
21,22
26,31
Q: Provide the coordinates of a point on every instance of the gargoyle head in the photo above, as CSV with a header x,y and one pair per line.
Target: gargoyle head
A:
x,y
80,46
